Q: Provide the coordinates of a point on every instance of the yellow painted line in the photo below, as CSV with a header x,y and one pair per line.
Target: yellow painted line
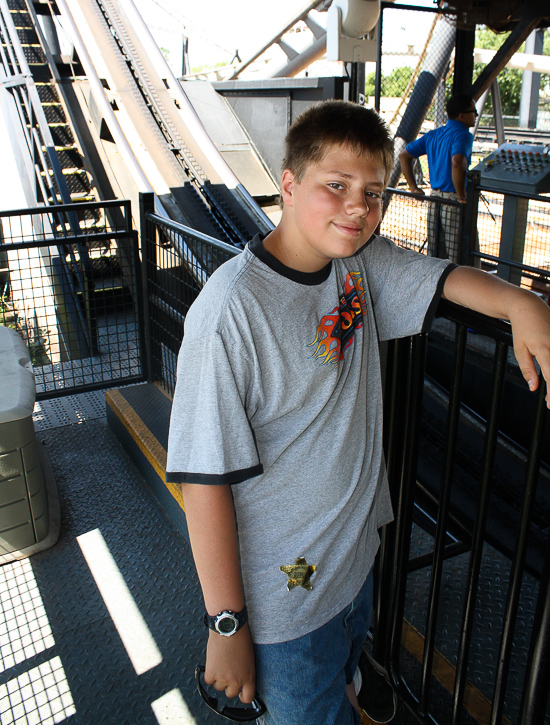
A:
x,y
444,672
147,443
163,390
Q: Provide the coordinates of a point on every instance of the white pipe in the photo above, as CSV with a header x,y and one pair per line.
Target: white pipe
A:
x,y
187,111
519,61
103,103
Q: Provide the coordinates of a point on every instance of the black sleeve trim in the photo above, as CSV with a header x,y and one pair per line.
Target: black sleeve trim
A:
x,y
430,314
215,479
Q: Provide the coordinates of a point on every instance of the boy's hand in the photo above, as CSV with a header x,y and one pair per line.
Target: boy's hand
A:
x,y
530,321
230,664
528,315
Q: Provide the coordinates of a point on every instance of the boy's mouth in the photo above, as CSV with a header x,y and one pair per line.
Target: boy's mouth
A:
x,y
350,229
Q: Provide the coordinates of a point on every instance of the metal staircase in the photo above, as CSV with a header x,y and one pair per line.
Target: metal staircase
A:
x,y
27,73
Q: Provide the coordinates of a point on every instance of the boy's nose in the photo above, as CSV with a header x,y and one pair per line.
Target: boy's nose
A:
x,y
358,204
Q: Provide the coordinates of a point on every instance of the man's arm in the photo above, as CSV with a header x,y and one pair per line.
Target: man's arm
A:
x,y
459,169
406,161
213,534
527,313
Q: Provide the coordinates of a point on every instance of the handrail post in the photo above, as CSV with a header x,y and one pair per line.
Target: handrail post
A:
x,y
147,248
537,676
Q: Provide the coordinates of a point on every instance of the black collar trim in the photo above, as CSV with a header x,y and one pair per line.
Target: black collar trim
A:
x,y
308,278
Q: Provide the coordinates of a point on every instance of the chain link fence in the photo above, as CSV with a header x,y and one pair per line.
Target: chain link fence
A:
x,y
416,40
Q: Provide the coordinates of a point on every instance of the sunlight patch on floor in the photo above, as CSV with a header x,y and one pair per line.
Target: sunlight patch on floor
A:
x,y
131,627
171,709
41,695
24,627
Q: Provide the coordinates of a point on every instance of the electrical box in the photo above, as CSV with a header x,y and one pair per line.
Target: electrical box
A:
x,y
28,518
517,167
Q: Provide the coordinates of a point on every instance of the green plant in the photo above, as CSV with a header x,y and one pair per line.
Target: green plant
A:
x,y
36,340
393,85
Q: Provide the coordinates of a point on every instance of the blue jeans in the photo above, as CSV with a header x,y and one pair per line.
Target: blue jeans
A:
x,y
303,681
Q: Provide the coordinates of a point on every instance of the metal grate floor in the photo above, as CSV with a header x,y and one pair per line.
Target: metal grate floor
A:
x,y
105,626
69,410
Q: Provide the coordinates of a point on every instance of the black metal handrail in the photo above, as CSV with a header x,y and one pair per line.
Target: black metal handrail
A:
x,y
177,261
404,392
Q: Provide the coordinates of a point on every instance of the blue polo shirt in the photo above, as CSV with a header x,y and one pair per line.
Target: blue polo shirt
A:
x,y
440,145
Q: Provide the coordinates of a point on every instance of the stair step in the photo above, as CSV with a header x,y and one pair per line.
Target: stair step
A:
x,y
139,415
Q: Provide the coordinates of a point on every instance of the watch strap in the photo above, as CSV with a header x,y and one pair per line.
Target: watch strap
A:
x,y
215,623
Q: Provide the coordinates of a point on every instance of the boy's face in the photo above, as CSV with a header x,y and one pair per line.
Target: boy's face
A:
x,y
334,210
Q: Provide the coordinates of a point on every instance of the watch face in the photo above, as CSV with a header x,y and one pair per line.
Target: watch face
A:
x,y
226,625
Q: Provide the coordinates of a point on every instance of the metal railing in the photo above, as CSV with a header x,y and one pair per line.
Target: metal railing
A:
x,y
503,233
77,312
177,261
508,232
39,149
464,569
432,225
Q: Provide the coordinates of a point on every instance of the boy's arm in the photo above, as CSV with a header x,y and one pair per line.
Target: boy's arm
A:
x,y
406,161
213,534
528,314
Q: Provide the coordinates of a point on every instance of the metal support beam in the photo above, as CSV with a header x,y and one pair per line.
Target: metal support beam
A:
x,y
530,84
464,60
520,33
356,73
497,112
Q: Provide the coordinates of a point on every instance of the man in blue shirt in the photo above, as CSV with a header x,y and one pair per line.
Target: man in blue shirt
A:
x,y
449,152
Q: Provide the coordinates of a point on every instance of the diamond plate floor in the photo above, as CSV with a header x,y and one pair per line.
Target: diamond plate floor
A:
x,y
104,627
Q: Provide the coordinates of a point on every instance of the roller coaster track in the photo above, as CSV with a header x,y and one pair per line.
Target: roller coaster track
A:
x,y
513,135
142,111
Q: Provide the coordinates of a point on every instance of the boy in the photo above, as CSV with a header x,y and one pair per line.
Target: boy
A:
x,y
276,421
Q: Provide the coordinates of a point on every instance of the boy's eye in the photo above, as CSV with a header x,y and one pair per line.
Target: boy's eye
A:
x,y
335,185
373,195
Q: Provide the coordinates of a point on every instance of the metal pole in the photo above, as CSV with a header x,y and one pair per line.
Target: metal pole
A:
x,y
146,205
537,678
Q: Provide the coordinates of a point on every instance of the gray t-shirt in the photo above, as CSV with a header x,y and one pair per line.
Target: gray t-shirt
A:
x,y
279,392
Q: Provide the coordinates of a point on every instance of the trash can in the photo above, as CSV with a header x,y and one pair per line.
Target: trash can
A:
x,y
29,508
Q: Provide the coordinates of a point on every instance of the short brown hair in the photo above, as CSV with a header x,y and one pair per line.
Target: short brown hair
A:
x,y
336,123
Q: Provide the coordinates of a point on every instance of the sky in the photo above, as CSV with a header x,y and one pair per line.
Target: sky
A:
x,y
217,28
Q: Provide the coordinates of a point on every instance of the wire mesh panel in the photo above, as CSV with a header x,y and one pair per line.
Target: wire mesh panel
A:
x,y
514,241
415,40
431,225
511,237
69,286
178,262
404,52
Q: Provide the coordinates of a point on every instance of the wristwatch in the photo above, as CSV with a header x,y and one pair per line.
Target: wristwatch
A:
x,y
227,622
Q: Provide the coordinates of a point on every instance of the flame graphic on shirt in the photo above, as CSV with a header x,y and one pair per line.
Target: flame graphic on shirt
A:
x,y
336,330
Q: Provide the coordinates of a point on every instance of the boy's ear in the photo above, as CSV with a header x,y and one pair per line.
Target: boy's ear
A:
x,y
287,186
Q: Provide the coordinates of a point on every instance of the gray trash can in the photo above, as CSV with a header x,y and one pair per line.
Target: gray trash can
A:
x,y
29,508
